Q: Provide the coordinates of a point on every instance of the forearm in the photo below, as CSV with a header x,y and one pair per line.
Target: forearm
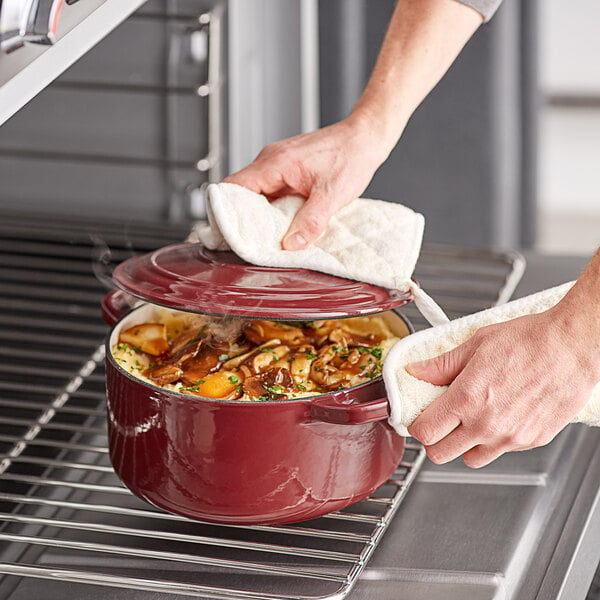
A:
x,y
579,313
587,287
423,39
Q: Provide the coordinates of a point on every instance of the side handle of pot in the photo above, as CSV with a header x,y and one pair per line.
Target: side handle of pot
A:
x,y
115,305
332,411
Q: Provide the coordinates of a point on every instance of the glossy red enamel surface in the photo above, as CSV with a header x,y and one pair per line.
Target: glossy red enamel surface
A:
x,y
248,462
192,278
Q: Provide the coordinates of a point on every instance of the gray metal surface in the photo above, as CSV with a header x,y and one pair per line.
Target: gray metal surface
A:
x,y
29,69
150,114
522,528
138,122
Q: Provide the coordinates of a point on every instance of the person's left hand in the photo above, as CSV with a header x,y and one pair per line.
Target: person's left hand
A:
x,y
513,386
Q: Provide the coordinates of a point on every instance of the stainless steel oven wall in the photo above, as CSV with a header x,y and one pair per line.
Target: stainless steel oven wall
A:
x,y
40,39
125,132
181,93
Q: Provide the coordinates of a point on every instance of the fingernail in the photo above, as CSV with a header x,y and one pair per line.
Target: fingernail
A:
x,y
295,241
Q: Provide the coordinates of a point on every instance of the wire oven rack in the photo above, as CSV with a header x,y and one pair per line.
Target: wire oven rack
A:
x,y
64,515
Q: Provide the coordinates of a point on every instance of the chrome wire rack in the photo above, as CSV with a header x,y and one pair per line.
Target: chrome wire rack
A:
x,y
60,496
65,517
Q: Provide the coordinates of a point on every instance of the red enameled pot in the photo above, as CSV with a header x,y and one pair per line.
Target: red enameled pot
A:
x,y
244,462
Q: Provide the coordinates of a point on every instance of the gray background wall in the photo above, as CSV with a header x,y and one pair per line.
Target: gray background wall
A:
x,y
460,160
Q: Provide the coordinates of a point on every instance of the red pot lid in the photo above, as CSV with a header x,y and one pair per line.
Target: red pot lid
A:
x,y
192,278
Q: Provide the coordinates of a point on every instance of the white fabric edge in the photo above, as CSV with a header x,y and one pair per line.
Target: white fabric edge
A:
x,y
397,357
390,367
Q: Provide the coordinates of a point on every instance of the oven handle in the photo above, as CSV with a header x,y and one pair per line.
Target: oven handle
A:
x,y
41,24
29,21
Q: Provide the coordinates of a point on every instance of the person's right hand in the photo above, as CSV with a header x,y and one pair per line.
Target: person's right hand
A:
x,y
329,167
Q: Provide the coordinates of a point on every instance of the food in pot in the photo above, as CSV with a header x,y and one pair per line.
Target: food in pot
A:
x,y
254,360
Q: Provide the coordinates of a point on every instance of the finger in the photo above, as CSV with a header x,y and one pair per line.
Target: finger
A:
x,y
285,190
482,455
261,181
442,369
457,443
434,423
309,223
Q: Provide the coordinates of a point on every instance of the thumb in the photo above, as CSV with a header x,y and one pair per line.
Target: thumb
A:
x,y
442,369
309,223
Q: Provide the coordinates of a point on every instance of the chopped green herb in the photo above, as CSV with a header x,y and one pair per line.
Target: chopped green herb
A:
x,y
376,351
274,389
234,379
195,387
223,356
124,347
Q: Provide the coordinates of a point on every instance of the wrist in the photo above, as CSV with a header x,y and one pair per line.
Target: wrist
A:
x,y
374,133
577,318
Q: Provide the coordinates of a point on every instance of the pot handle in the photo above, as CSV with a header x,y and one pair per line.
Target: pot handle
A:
x,y
329,410
115,305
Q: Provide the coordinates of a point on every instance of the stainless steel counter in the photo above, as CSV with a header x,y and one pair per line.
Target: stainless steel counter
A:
x,y
525,527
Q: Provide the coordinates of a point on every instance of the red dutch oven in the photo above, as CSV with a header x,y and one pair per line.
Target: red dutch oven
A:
x,y
243,462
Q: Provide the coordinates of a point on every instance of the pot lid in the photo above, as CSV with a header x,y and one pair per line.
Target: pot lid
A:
x,y
192,278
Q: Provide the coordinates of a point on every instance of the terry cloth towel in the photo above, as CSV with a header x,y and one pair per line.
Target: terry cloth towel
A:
x,y
369,240
409,396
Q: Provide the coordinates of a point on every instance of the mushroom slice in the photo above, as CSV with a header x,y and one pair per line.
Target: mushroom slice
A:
x,y
207,360
254,387
322,329
351,360
150,338
375,327
274,384
261,331
235,362
279,378
266,358
163,374
323,371
301,362
325,356
345,338
341,339
327,376
225,385
368,365
186,338
186,353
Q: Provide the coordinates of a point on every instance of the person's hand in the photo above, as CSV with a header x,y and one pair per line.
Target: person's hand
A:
x,y
513,386
330,167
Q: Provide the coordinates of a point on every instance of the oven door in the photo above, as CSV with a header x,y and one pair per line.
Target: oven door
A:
x,y
39,39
